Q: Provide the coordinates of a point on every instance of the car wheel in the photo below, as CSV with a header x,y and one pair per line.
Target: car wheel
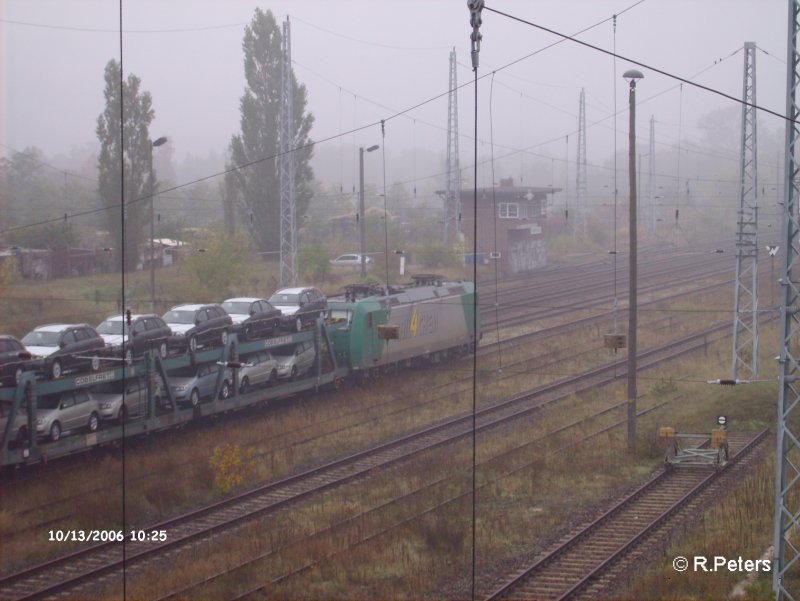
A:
x,y
55,369
193,343
299,324
55,431
244,385
163,350
293,375
225,391
94,422
122,416
129,357
194,398
224,337
273,378
95,362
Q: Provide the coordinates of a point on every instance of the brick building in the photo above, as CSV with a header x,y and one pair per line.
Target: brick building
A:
x,y
514,216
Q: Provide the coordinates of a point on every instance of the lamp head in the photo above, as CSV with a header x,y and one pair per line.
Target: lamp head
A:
x,y
374,147
633,75
162,140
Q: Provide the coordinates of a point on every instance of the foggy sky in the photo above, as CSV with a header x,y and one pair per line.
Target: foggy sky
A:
x,y
362,60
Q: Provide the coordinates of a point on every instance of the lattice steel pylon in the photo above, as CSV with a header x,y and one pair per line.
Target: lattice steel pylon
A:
x,y
785,581
452,195
288,272
581,185
652,217
745,309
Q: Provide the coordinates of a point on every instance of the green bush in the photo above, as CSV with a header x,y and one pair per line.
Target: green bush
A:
x,y
313,262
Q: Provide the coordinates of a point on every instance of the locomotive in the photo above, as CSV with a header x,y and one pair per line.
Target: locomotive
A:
x,y
375,328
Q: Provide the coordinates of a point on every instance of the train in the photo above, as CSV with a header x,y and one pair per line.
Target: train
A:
x,y
366,331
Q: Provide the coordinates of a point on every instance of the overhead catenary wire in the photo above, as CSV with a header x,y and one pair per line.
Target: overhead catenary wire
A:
x,y
709,89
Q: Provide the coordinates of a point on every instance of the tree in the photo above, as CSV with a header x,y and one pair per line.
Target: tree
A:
x,y
255,181
220,268
125,148
28,193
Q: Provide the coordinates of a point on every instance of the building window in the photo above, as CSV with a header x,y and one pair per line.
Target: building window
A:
x,y
509,210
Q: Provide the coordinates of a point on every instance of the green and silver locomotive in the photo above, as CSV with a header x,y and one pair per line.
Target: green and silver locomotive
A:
x,y
374,328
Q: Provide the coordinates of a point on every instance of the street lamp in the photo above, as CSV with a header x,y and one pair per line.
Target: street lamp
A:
x,y
155,144
361,217
632,76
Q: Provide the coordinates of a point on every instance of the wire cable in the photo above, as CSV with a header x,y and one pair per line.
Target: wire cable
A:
x,y
643,65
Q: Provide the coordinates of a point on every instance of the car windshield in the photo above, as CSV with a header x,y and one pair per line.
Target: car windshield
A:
x,y
185,372
109,388
284,299
179,317
50,402
38,338
113,327
282,352
241,308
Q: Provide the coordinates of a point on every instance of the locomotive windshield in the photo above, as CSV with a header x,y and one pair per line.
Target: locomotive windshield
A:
x,y
340,315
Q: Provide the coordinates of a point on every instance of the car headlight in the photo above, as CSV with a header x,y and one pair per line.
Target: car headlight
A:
x,y
180,388
41,421
105,405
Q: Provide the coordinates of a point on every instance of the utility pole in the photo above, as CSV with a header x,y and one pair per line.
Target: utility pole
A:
x,y
362,219
745,310
581,186
632,76
452,198
651,180
786,553
154,144
288,271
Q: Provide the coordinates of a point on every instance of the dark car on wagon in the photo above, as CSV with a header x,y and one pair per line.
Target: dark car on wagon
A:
x,y
65,347
253,317
145,332
194,326
300,306
13,355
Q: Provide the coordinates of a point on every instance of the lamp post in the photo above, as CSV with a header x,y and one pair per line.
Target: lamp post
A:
x,y
155,144
632,76
361,217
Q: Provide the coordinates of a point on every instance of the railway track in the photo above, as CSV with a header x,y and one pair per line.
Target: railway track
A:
x,y
576,564
75,575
